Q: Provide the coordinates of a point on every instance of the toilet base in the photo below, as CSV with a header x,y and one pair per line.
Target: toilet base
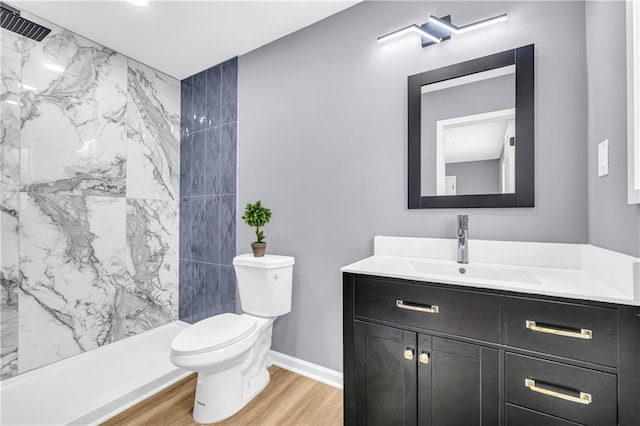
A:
x,y
222,394
217,395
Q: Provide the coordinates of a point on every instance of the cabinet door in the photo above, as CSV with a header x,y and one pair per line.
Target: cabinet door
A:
x,y
385,369
457,383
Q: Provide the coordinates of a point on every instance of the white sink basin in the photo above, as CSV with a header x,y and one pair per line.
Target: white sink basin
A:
x,y
576,271
470,271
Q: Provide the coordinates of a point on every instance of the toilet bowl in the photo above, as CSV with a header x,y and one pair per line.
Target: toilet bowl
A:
x,y
229,351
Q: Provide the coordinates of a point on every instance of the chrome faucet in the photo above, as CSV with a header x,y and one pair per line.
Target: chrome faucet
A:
x,y
463,238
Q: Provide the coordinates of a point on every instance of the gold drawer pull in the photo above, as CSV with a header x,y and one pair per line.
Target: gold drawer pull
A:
x,y
584,398
582,334
433,309
424,358
408,354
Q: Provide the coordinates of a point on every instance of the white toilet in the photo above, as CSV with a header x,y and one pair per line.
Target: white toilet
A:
x,y
229,351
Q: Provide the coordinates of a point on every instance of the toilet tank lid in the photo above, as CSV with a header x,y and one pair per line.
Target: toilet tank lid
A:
x,y
213,333
268,261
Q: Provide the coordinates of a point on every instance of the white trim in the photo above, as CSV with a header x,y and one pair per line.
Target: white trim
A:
x,y
502,114
441,165
633,101
307,369
467,79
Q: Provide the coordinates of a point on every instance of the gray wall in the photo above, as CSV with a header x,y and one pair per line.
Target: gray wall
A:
x,y
476,177
613,224
323,143
480,97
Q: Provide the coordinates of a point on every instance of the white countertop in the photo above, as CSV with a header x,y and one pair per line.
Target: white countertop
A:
x,y
575,271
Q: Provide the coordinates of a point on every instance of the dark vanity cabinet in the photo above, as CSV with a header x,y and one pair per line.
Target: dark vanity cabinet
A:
x,y
433,354
411,378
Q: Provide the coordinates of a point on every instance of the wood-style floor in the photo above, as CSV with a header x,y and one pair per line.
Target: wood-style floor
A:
x,y
289,399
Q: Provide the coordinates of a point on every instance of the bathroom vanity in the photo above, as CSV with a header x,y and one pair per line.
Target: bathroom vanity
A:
x,y
529,334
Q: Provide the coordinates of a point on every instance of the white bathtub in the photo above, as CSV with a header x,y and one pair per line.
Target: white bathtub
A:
x,y
91,387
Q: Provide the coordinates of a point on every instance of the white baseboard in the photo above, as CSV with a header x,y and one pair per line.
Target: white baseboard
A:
x,y
307,369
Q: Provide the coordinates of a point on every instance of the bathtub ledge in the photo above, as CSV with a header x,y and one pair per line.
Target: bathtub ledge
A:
x,y
91,387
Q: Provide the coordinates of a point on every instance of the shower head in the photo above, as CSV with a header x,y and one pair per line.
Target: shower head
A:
x,y
10,19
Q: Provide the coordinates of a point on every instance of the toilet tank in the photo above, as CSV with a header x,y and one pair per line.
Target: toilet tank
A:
x,y
264,284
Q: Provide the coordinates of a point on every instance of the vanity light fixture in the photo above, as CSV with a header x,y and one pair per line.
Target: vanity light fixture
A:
x,y
440,29
448,26
414,28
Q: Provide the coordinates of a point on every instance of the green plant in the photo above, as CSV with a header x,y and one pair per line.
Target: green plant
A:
x,y
257,216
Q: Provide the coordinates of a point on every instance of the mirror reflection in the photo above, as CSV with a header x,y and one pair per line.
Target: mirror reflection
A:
x,y
468,134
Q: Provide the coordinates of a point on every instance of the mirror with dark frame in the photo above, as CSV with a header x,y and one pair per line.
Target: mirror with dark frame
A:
x,y
471,133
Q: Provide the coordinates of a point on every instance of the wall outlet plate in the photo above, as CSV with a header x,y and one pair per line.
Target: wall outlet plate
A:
x,y
603,158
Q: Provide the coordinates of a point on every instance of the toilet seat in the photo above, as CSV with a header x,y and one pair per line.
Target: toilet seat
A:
x,y
213,333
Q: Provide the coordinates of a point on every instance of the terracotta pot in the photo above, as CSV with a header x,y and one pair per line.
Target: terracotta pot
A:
x,y
258,249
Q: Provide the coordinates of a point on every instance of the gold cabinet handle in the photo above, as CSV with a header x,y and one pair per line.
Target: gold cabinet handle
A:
x,y
584,398
424,358
584,333
433,309
408,354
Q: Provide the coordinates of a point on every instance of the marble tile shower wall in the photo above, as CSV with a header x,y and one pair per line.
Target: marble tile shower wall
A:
x,y
208,192
89,198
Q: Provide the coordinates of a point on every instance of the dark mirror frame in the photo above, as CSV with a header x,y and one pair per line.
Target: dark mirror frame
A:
x,y
522,57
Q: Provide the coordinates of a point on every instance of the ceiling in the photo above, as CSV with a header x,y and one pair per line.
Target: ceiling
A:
x,y
475,141
181,38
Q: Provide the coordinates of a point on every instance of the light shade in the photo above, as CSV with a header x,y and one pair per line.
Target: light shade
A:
x,y
406,30
466,28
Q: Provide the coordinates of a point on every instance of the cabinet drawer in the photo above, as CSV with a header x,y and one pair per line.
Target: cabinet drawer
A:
x,y
463,313
574,331
518,416
572,393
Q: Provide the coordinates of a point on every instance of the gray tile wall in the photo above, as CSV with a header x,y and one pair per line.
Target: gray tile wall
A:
x,y
208,192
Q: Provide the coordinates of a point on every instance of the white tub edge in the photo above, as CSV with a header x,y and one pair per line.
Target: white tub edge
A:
x,y
105,405
104,413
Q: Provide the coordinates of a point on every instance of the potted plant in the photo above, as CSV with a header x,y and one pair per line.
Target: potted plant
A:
x,y
257,216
